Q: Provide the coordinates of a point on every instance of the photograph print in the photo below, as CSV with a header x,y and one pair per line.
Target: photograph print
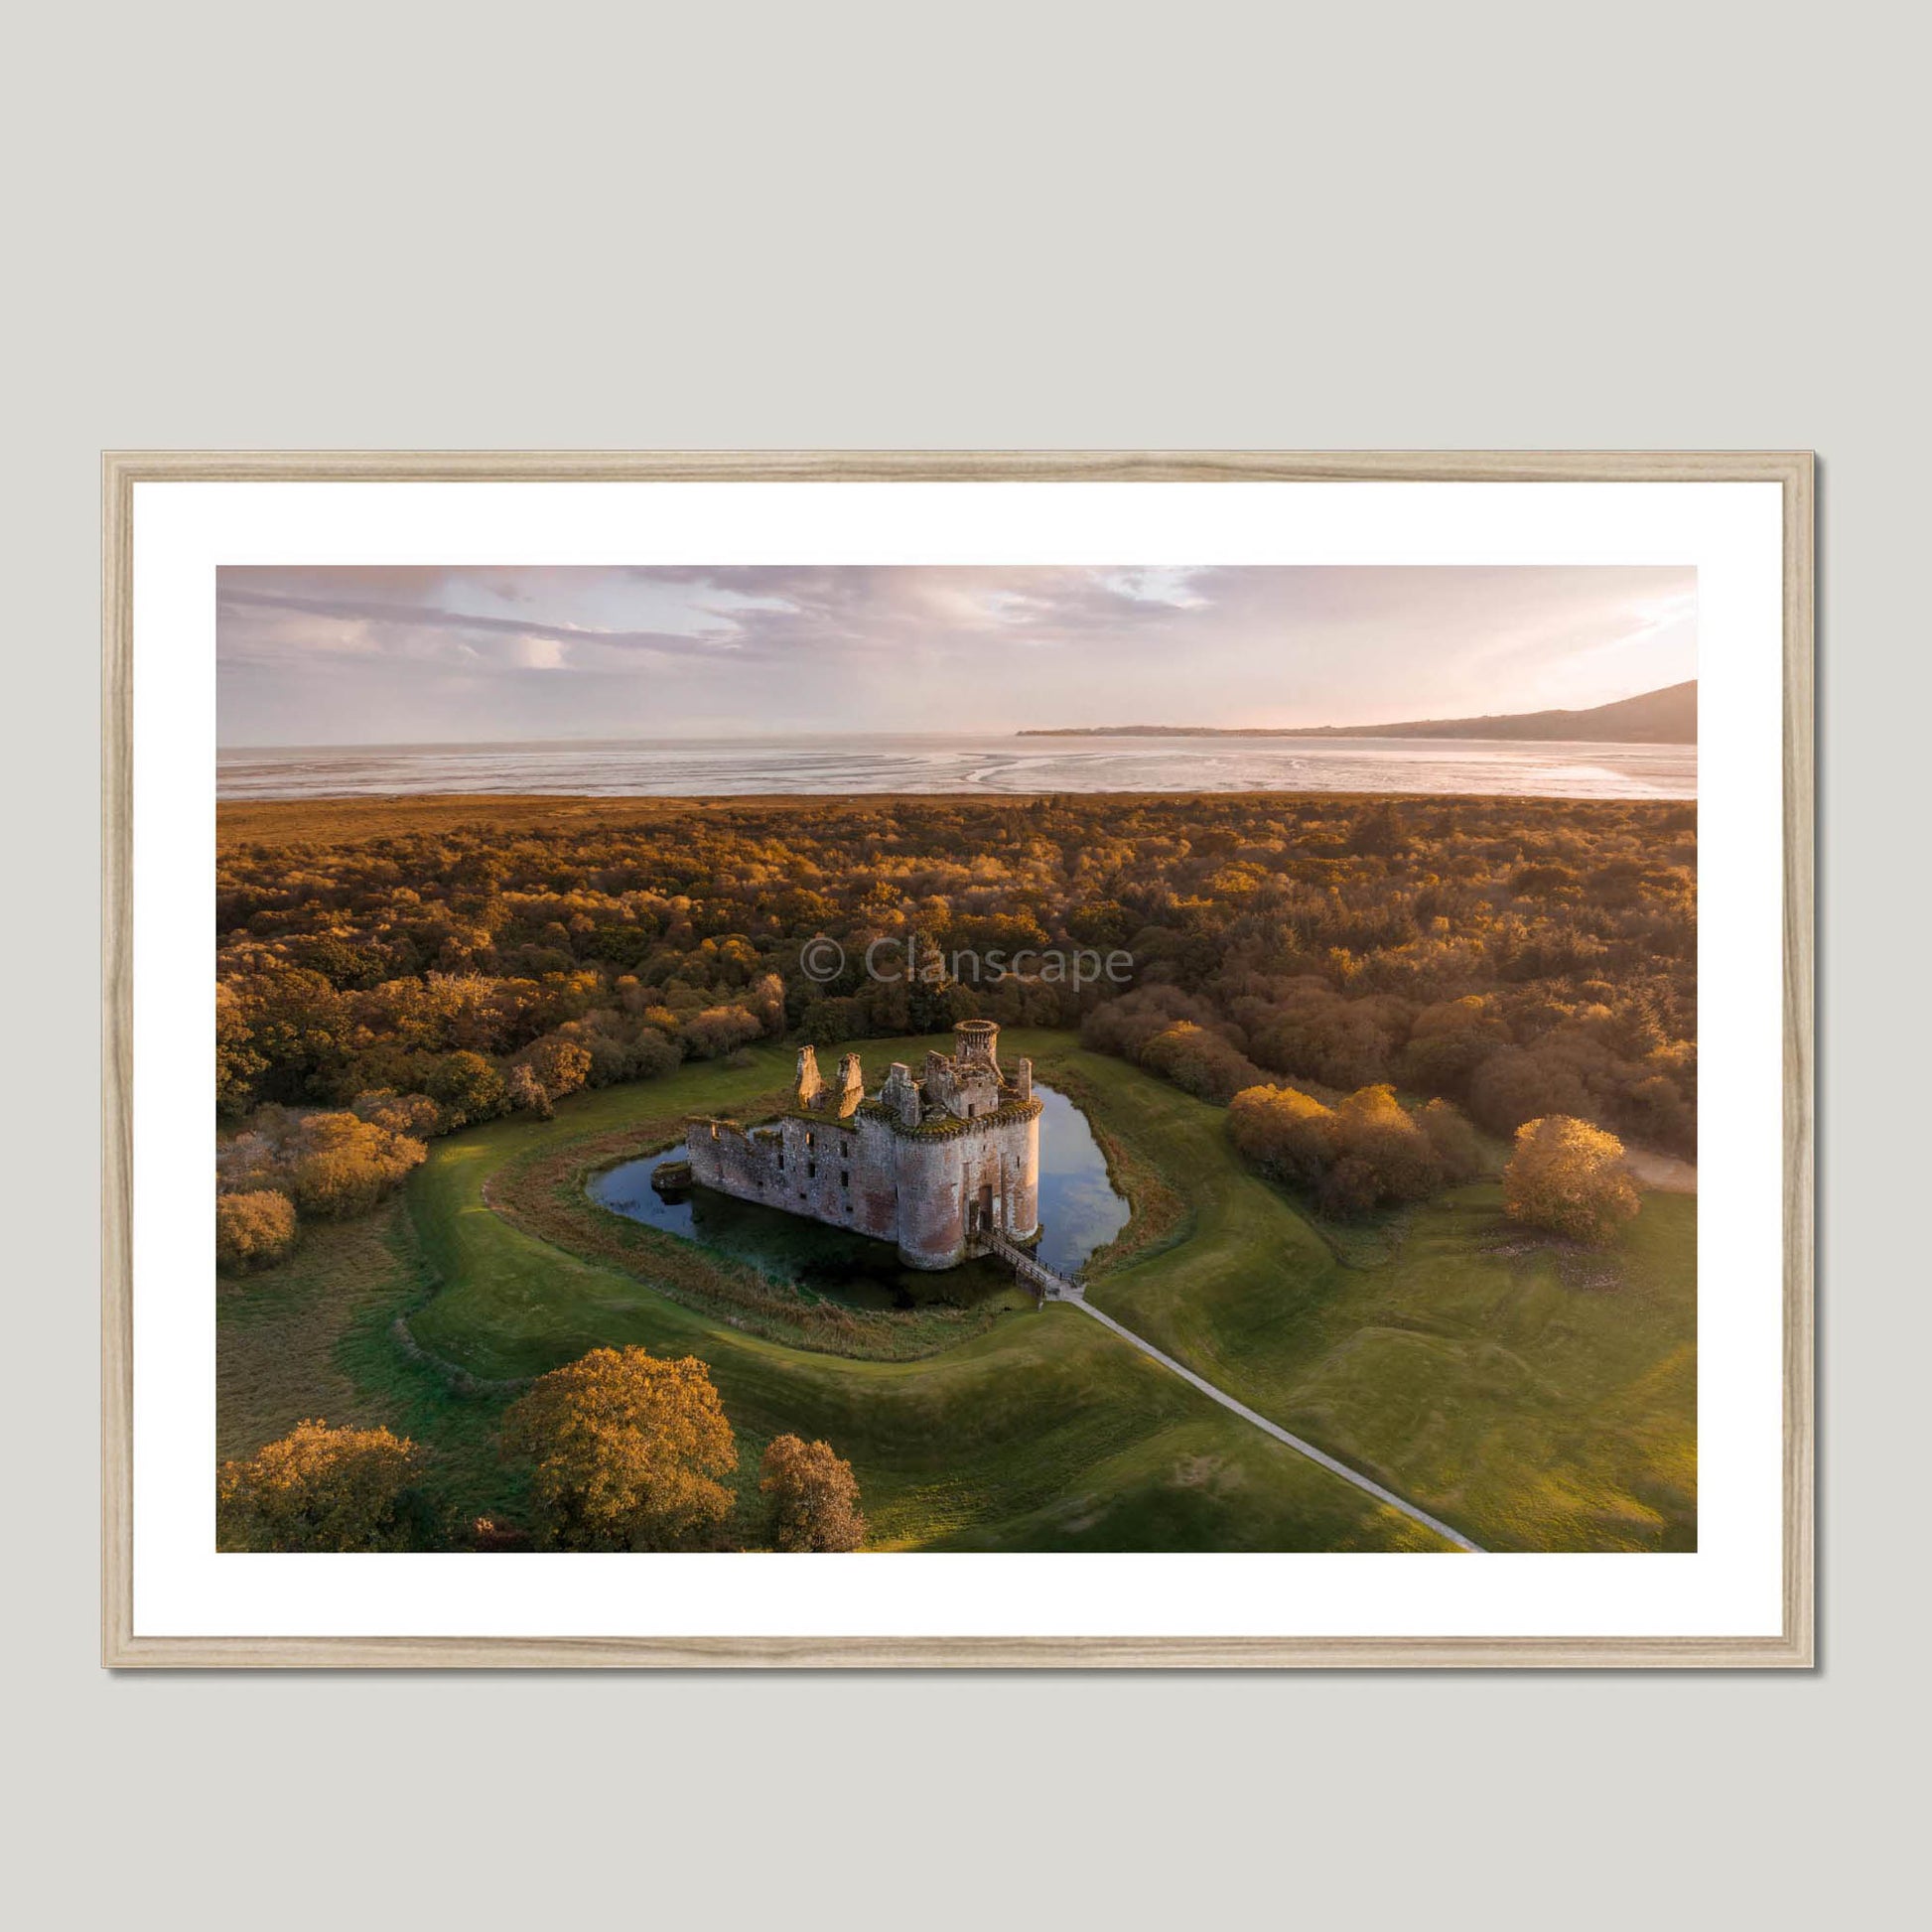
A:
x,y
895,1057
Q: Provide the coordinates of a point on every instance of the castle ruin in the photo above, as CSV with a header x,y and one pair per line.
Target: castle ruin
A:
x,y
941,1164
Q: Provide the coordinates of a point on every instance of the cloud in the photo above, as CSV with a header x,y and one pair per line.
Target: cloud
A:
x,y
363,655
404,624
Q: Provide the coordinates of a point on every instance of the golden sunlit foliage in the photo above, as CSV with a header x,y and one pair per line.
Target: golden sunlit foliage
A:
x,y
253,1230
629,1451
332,1165
316,1488
1516,957
1569,1176
812,1497
1364,1152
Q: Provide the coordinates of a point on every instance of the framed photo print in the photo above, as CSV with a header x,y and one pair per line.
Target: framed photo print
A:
x,y
991,1059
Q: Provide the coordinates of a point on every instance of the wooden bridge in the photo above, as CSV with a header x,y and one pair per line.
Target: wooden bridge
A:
x,y
1034,1272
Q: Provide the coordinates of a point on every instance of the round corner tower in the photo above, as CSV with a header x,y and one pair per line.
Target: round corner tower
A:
x,y
968,1167
976,1042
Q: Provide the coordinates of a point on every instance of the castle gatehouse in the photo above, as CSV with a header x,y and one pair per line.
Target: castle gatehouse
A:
x,y
939,1163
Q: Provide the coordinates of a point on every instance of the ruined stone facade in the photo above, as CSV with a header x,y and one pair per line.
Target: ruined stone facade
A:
x,y
933,1163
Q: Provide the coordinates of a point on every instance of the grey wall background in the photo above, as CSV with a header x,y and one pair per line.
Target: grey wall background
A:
x,y
1196,226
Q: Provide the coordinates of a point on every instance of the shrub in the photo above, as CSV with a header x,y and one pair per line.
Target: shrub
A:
x,y
812,1497
1363,1153
1372,1128
528,1094
559,1067
628,1451
717,1030
1199,1061
253,1230
1285,1131
1570,1177
1349,1188
1457,1146
414,1115
468,1089
1514,1085
318,1489
343,1165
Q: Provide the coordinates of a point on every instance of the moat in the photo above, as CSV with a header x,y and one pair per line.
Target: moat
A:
x,y
1080,1211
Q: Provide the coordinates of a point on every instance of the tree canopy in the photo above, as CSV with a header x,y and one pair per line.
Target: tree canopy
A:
x,y
390,971
254,1229
1569,1176
629,1452
812,1497
318,1489
1518,956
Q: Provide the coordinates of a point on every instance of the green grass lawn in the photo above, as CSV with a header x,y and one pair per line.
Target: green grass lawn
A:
x,y
1534,1395
1531,1402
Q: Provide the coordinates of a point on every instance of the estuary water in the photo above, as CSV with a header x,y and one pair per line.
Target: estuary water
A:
x,y
996,763
1079,1212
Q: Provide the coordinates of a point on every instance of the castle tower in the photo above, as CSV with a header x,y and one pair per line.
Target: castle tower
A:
x,y
976,1043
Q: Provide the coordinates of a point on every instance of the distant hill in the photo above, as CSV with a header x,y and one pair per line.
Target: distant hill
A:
x,y
1666,716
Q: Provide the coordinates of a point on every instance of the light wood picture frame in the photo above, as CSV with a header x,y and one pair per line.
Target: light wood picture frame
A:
x,y
125,1647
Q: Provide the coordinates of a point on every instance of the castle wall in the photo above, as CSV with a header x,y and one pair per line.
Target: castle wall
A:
x,y
927,1185
1023,1184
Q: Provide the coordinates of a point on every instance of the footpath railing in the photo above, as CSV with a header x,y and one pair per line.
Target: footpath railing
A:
x,y
1033,1271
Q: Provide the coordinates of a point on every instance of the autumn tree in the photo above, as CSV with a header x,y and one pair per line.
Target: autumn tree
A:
x,y
1457,1144
629,1452
288,1031
528,1094
1521,957
1569,1176
1200,1061
767,1000
1349,1189
238,1066
717,1030
1515,1085
255,1229
812,1497
412,1115
1448,1040
1285,1131
468,1089
318,1489
1373,1127
345,1166
560,1065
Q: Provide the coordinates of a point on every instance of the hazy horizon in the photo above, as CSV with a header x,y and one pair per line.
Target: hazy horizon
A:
x,y
348,656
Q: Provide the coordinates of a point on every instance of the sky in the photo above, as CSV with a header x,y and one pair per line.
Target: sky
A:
x,y
435,655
